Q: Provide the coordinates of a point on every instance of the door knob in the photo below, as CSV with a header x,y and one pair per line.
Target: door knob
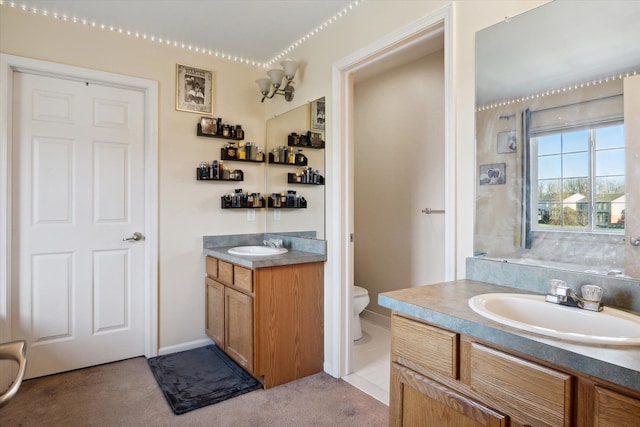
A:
x,y
634,241
135,237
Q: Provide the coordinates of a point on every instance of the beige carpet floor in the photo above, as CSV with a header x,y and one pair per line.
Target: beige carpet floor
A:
x,y
126,394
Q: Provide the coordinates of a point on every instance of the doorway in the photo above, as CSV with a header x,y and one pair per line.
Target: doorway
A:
x,y
338,358
48,200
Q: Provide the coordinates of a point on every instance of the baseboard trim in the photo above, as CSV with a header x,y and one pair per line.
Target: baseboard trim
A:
x,y
184,346
377,318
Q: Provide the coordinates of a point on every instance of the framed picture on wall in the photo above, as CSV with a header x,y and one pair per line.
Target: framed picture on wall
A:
x,y
194,89
507,142
317,114
493,174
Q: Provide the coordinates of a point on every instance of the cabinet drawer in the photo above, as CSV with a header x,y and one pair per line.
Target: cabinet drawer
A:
x,y
225,271
532,393
612,409
243,279
424,348
211,266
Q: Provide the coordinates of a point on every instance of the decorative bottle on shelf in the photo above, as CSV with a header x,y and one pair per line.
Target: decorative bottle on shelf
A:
x,y
231,150
239,132
226,130
203,171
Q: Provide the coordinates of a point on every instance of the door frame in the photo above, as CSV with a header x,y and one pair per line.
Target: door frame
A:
x,y
340,215
149,88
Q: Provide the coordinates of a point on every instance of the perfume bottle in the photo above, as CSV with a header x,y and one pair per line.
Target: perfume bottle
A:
x,y
226,130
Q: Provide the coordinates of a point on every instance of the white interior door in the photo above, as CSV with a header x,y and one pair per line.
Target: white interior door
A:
x,y
78,190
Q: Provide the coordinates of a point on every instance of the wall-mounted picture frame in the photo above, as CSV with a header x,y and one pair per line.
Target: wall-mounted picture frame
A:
x,y
507,142
317,114
194,89
493,174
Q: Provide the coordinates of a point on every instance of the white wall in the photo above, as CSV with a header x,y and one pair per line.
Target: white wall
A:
x,y
399,170
632,141
189,209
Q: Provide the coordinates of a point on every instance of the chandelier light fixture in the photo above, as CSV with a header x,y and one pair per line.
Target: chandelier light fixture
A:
x,y
275,81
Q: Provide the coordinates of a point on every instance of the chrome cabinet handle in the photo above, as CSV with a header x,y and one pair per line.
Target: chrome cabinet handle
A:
x,y
136,236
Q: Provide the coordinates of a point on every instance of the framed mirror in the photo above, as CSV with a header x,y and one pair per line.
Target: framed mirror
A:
x,y
553,185
299,131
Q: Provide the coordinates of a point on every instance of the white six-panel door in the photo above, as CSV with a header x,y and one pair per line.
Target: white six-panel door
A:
x,y
78,175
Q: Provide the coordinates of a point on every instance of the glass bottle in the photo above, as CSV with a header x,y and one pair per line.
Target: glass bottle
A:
x,y
226,130
239,132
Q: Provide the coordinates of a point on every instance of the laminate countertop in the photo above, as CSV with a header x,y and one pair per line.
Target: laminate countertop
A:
x,y
446,305
293,256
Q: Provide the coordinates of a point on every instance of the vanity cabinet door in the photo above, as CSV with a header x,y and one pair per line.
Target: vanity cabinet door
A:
x,y
530,393
612,409
418,401
239,328
215,312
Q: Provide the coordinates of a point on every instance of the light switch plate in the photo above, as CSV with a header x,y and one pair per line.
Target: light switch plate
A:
x,y
276,214
251,215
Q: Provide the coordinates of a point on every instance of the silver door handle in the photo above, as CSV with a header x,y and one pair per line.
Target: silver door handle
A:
x,y
136,236
430,211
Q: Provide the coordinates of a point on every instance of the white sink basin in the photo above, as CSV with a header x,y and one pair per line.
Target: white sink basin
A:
x,y
531,313
257,250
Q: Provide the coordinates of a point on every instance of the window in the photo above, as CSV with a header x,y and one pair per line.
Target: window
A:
x,y
579,178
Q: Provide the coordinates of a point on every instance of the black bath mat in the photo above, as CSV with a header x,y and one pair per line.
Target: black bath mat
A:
x,y
203,376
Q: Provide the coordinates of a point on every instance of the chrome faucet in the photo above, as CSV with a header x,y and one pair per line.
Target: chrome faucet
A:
x,y
273,243
560,293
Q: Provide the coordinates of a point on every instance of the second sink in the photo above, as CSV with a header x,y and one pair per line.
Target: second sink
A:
x,y
256,250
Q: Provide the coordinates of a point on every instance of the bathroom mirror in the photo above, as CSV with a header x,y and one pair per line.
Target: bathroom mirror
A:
x,y
556,71
298,221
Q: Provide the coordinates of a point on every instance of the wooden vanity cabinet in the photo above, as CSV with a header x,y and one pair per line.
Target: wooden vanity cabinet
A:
x,y
439,377
269,320
229,310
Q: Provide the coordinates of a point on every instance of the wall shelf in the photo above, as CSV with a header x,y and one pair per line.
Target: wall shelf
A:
x,y
309,140
225,156
300,204
303,163
241,203
292,178
207,135
239,176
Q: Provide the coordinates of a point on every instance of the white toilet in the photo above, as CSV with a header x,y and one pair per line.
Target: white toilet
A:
x,y
360,301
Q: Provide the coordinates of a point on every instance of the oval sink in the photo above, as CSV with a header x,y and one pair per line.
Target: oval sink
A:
x,y
257,250
531,313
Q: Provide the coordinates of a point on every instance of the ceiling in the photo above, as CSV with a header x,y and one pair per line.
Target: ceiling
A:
x,y
555,46
254,31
